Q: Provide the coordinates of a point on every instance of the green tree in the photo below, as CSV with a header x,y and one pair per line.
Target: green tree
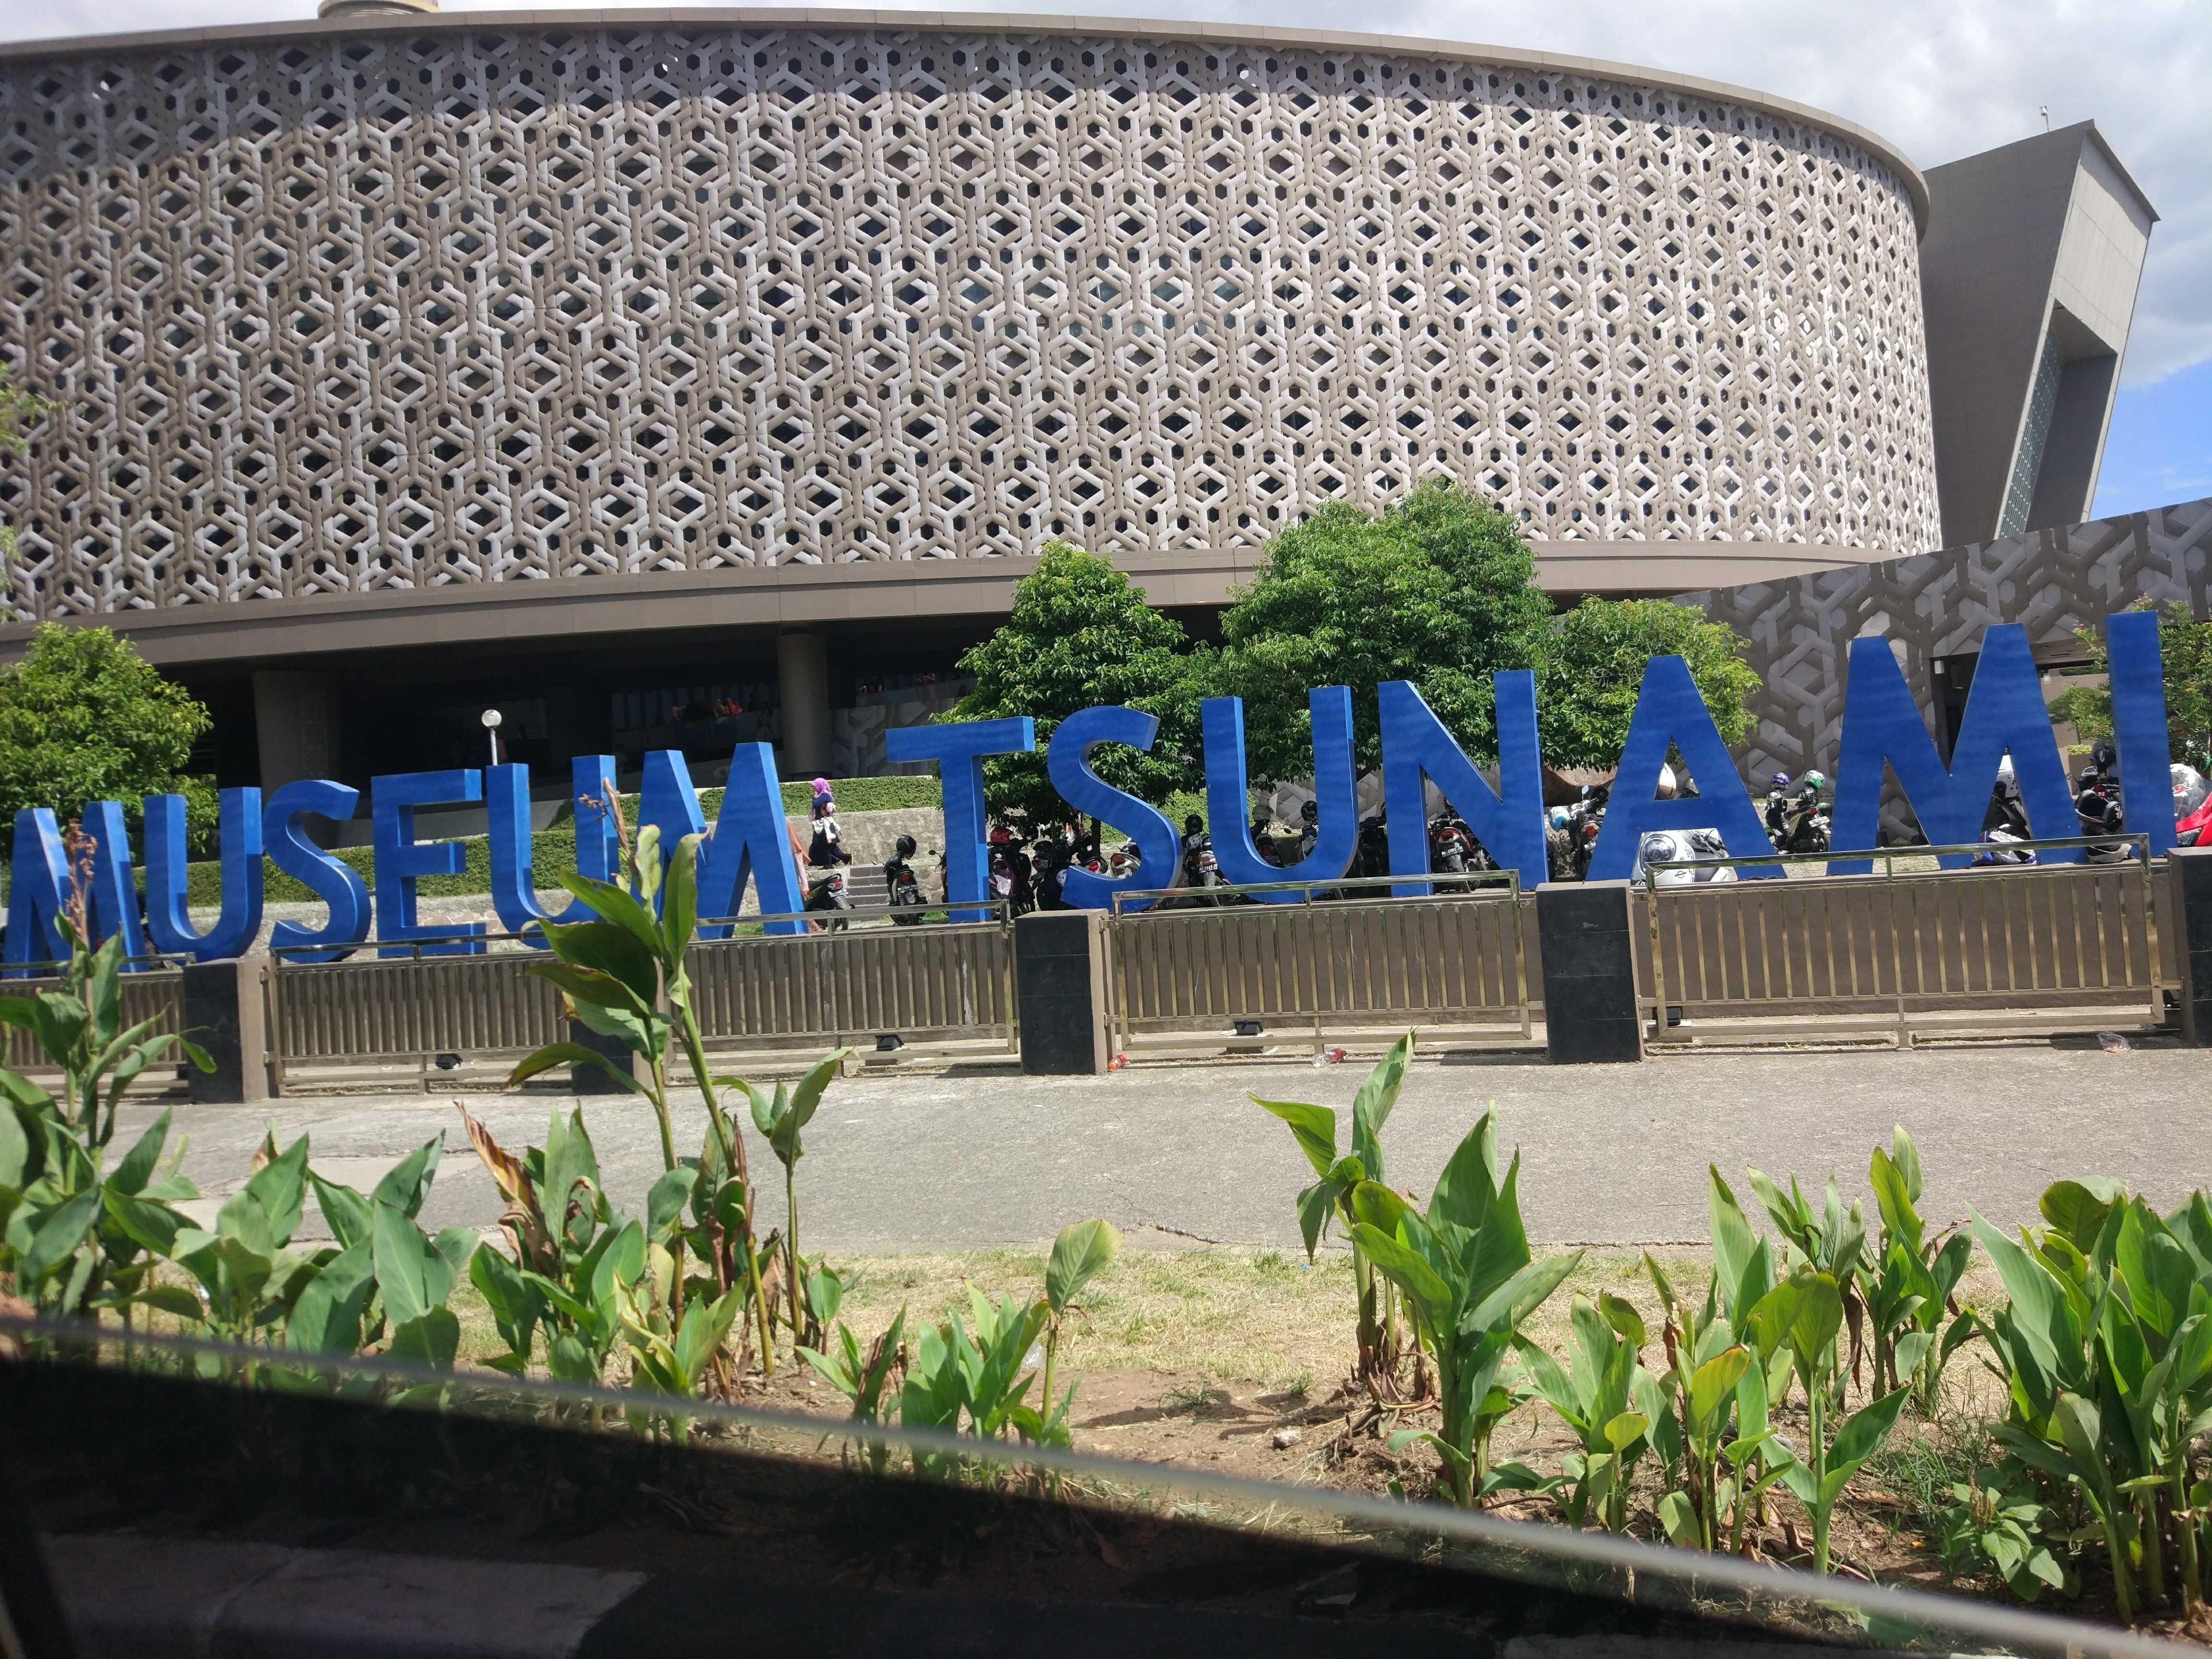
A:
x,y
1079,633
20,410
1438,590
1593,666
83,717
2184,650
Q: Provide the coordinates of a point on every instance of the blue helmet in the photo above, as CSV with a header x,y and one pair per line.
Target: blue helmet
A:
x,y
1558,818
1781,779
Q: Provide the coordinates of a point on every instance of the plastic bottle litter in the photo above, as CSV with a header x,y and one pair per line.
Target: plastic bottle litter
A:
x,y
2112,1042
1330,1057
1119,1063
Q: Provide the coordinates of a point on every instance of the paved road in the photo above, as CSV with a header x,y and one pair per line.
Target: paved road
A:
x,y
1612,1155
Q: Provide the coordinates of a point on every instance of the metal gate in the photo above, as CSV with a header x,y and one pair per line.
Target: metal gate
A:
x,y
929,984
1211,969
1903,952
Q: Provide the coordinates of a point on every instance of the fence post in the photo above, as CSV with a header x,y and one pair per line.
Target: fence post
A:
x,y
1583,932
2191,868
224,1007
589,1079
1059,992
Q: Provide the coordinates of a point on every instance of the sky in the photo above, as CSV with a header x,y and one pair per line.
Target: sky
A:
x,y
1940,80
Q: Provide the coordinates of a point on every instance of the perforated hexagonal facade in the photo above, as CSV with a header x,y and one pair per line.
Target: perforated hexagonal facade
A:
x,y
344,311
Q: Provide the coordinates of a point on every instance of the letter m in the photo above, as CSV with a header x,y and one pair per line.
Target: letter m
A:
x,y
2005,712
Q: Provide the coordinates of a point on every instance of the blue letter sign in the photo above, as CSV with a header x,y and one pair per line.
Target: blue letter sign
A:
x,y
1508,821
1336,799
1067,762
1670,711
2005,710
959,747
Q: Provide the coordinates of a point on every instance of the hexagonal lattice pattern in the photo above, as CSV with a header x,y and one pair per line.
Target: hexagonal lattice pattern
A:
x,y
353,311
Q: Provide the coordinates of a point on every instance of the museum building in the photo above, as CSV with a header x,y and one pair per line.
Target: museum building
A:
x,y
673,380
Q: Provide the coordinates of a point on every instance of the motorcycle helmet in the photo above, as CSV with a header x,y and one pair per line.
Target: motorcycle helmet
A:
x,y
1815,783
906,847
1558,818
1781,780
1309,812
1193,825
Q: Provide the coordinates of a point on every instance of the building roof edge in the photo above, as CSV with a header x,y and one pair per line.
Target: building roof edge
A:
x,y
1240,34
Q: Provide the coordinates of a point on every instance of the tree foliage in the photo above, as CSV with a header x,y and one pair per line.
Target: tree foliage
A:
x,y
2184,650
1592,667
20,410
1440,591
83,717
1079,633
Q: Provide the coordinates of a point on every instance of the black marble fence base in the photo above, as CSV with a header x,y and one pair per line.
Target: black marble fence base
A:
x,y
226,1014
1059,986
1590,973
2191,874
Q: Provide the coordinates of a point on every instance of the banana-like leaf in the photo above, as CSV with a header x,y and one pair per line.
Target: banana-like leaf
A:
x,y
1468,1190
1505,1308
679,900
131,1176
407,1183
1861,1436
1315,1205
1621,1313
1892,1197
569,1054
413,1276
1712,1389
57,1234
327,1316
345,1210
664,1204
1804,1312
1406,1269
2078,1208
1681,1522
611,948
1079,1256
433,1338
1372,1106
1313,1128
1624,1431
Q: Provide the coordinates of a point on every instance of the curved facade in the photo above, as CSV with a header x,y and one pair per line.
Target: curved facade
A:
x,y
341,309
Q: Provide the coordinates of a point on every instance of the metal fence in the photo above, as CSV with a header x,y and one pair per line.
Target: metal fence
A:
x,y
1209,968
156,992
927,983
1905,952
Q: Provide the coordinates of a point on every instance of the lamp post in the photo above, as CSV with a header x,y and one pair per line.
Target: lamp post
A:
x,y
491,730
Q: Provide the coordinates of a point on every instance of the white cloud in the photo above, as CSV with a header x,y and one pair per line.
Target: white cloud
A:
x,y
1940,81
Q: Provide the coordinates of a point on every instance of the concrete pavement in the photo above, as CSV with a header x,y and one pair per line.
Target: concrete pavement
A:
x,y
1610,1155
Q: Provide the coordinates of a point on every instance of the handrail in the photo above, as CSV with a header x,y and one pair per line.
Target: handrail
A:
x,y
2139,860
1889,855
1510,878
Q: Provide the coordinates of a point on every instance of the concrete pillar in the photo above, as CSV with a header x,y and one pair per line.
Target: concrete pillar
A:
x,y
1060,992
1589,972
2190,869
295,726
588,1080
802,669
225,1011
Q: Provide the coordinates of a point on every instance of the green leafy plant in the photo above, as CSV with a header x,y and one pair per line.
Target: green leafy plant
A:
x,y
2002,1524
1594,1395
75,1234
2106,1347
1079,1254
1802,1316
1907,1280
861,1376
780,1117
623,975
1329,1198
1465,1270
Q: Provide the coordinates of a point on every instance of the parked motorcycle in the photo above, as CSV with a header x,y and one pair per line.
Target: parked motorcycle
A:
x,y
1451,844
1804,822
2098,807
826,895
2000,846
1585,819
904,884
1200,868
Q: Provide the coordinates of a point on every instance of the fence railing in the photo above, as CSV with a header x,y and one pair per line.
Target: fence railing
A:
x,y
923,983
155,991
1208,966
1910,951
